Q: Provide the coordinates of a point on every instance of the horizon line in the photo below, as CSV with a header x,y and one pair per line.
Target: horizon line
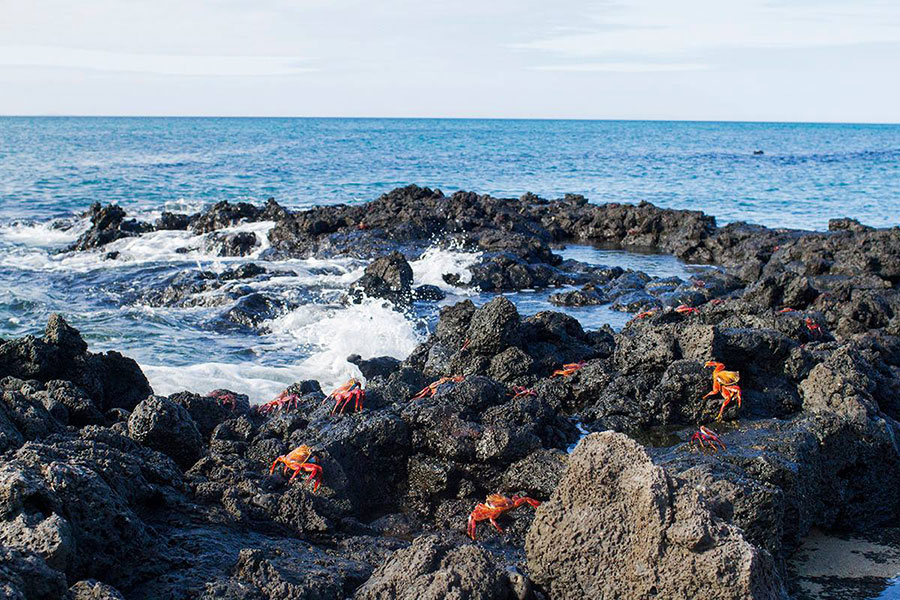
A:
x,y
421,118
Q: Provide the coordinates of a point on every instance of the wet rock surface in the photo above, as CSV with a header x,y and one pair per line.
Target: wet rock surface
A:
x,y
107,491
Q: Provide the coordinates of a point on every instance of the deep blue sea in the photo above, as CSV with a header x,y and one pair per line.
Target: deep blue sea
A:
x,y
51,169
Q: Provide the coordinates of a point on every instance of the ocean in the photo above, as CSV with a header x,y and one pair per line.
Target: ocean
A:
x,y
51,169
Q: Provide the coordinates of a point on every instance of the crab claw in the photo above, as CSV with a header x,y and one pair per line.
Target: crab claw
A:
x,y
470,528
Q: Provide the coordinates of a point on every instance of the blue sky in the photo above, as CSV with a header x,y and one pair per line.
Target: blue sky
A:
x,y
786,60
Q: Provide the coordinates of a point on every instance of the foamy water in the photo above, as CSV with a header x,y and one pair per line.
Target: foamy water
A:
x,y
197,348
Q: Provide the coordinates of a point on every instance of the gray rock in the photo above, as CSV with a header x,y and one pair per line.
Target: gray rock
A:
x,y
165,426
431,569
618,526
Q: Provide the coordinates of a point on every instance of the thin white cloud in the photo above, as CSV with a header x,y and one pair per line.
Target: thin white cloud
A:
x,y
623,67
157,64
663,28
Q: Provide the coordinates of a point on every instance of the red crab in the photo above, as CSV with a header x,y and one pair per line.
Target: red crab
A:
x,y
716,301
225,397
494,506
814,328
568,369
430,389
520,391
300,460
724,382
684,309
708,436
785,310
645,314
352,390
286,400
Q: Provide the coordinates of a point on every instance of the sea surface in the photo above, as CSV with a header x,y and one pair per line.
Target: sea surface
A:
x,y
52,169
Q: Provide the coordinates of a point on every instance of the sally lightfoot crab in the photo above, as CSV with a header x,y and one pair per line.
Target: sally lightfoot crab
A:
x,y
430,389
225,398
286,400
684,309
494,506
568,369
814,328
725,383
300,460
352,390
709,436
520,391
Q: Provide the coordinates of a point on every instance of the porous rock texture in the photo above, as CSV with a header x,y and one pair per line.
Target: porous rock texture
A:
x,y
109,491
618,526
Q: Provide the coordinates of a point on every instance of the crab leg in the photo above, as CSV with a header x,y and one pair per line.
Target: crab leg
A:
x,y
722,409
277,460
494,523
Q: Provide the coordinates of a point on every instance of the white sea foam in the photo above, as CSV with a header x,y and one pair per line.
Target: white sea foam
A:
x,y
45,234
153,212
152,247
324,335
332,333
435,262
261,383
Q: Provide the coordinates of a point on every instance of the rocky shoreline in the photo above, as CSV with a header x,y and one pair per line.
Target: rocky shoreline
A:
x,y
108,491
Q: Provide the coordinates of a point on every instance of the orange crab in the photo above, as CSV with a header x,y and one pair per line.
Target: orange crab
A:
x,y
684,309
494,506
724,382
300,460
284,401
814,328
520,391
352,390
708,436
785,310
568,369
430,389
645,314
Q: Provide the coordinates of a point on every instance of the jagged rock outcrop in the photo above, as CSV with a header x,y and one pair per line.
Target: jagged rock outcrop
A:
x,y
619,526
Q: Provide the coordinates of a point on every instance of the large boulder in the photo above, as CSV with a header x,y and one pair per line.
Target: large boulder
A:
x,y
110,380
619,526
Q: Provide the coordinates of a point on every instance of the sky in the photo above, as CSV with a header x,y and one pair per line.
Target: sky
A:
x,y
762,60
